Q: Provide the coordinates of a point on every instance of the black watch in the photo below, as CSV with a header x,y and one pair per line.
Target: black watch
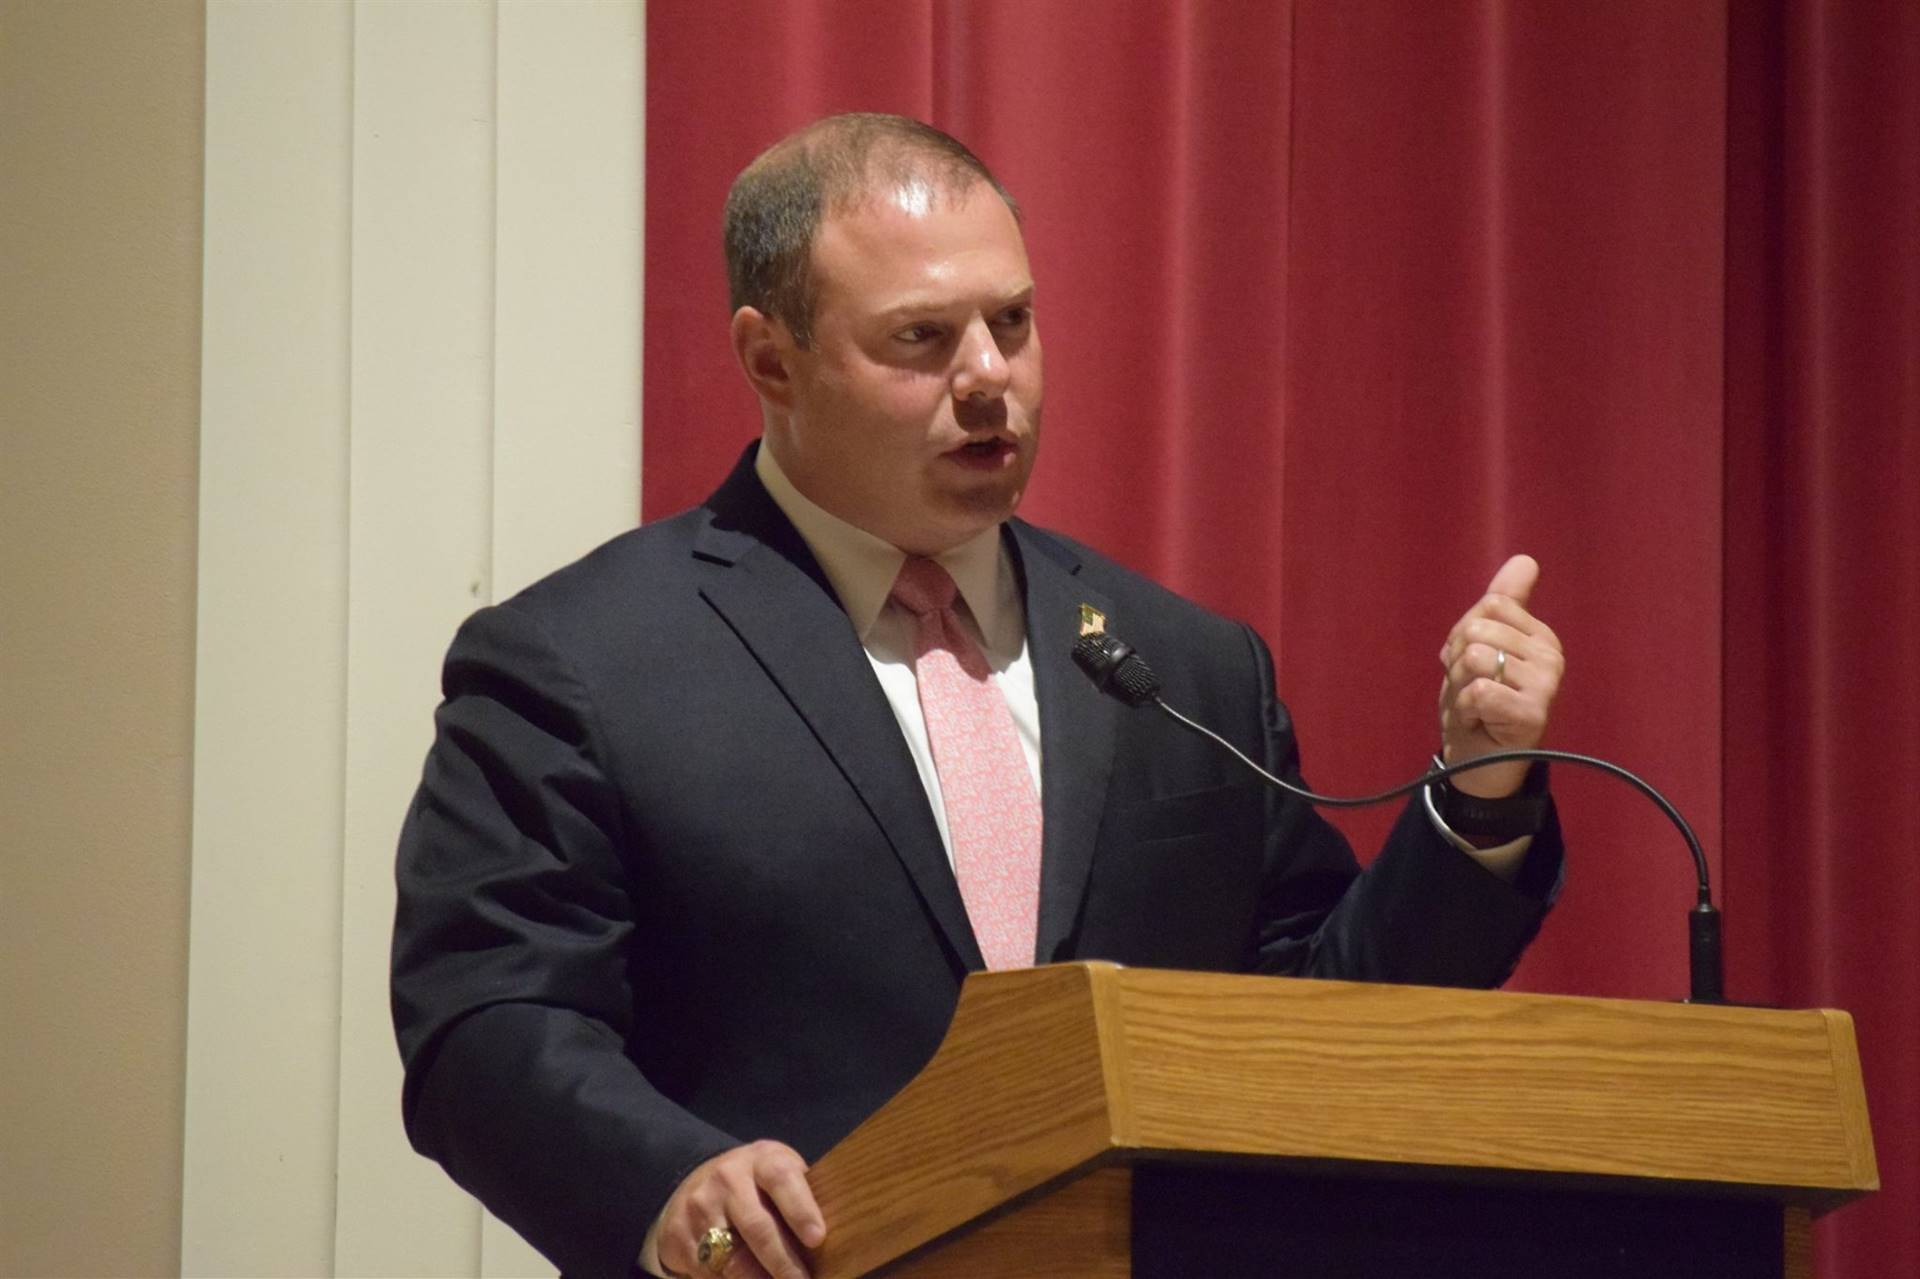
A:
x,y
1469,816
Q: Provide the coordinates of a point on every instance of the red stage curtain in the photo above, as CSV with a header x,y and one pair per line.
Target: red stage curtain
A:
x,y
1822,636
1344,302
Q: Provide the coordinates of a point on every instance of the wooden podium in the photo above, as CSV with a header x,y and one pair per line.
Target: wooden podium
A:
x,y
1093,1121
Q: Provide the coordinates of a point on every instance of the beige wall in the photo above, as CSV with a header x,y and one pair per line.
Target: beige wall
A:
x,y
177,444
100,199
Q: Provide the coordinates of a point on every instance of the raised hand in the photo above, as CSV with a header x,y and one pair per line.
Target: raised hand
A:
x,y
1490,702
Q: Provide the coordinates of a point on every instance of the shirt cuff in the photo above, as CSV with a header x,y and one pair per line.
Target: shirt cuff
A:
x,y
649,1260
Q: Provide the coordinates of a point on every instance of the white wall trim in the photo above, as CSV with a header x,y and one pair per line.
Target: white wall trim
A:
x,y
421,390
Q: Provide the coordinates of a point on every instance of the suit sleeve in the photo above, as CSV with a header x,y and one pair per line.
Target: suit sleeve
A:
x,y
1423,912
512,943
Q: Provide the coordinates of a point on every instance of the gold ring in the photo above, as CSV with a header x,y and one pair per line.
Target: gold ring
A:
x,y
1500,666
715,1248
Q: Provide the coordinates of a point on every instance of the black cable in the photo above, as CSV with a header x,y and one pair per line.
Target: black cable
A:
x,y
1120,672
1439,774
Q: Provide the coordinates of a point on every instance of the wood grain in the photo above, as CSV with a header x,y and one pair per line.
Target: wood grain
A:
x,y
1484,1080
1852,1089
1082,1231
1050,1074
1015,1097
1796,1253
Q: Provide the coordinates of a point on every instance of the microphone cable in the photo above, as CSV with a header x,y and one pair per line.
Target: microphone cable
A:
x,y
1117,670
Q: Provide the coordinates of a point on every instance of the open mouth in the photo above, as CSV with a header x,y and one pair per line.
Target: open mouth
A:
x,y
992,452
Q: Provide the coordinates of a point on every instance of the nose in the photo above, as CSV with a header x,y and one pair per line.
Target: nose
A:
x,y
980,367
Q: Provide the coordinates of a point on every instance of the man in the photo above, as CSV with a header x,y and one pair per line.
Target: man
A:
x,y
719,818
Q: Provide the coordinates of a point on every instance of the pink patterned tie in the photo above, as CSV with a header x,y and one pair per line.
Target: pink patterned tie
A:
x,y
993,814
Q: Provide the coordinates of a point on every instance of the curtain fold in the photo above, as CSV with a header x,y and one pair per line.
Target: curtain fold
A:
x,y
1505,307
1344,302
1822,578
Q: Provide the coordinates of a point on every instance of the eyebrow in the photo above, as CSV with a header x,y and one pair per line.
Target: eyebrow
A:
x,y
930,306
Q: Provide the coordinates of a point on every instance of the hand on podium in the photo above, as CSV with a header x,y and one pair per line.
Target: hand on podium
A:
x,y
755,1196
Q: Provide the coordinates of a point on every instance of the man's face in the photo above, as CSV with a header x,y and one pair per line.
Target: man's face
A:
x,y
915,412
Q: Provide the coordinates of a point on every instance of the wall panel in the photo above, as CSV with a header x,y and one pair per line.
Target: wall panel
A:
x,y
423,391
264,972
567,254
419,536
567,258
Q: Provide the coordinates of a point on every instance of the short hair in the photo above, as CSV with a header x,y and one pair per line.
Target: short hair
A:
x,y
776,205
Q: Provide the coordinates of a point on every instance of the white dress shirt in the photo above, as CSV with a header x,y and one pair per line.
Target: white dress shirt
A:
x,y
861,569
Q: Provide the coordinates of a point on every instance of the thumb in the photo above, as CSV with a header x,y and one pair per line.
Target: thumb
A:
x,y
1516,578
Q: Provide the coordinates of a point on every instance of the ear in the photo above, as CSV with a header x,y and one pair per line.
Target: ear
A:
x,y
765,351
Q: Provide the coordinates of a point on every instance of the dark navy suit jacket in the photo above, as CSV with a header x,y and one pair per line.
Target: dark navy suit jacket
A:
x,y
671,881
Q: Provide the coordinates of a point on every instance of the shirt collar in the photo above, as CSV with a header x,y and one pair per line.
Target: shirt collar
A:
x,y
861,567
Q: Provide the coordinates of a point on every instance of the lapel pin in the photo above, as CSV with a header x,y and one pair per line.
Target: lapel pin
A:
x,y
1092,620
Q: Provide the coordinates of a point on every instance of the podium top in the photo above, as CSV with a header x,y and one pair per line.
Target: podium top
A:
x,y
1046,1073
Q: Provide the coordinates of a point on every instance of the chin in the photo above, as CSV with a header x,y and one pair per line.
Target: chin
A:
x,y
958,523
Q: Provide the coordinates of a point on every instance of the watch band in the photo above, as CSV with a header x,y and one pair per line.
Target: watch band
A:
x,y
1522,813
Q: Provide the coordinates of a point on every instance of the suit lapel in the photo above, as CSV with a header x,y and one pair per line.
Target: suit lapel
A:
x,y
772,593
1077,727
